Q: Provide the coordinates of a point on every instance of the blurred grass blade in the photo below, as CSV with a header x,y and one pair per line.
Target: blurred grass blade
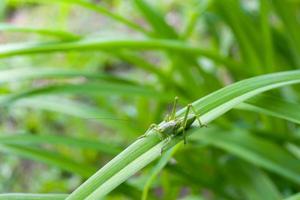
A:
x,y
193,18
293,149
76,109
266,34
18,74
294,197
111,44
251,181
286,12
28,196
244,31
258,151
48,157
30,139
92,7
88,89
145,150
47,32
163,161
273,106
156,20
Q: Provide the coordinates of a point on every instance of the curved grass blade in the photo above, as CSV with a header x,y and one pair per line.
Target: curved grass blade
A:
x,y
111,44
95,8
145,150
294,197
199,9
156,20
244,31
8,75
236,93
163,161
251,181
88,89
273,106
57,160
47,32
48,157
30,139
258,151
76,109
28,196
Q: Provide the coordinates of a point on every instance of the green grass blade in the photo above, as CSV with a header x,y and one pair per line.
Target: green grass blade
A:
x,y
111,44
50,158
193,18
145,150
163,161
266,35
47,32
238,92
156,20
294,197
28,196
258,151
76,109
92,7
30,139
18,74
243,29
251,181
286,11
88,89
122,160
273,106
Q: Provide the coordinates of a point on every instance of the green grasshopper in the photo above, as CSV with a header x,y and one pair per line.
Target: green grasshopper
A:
x,y
173,126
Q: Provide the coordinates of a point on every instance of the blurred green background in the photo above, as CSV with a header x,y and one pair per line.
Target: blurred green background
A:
x,y
81,80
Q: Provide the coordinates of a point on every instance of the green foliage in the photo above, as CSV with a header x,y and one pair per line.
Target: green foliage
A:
x,y
81,80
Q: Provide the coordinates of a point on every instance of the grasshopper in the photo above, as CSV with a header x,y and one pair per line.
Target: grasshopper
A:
x,y
173,126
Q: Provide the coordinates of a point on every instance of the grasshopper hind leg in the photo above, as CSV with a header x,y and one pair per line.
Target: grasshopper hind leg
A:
x,y
197,116
190,108
184,122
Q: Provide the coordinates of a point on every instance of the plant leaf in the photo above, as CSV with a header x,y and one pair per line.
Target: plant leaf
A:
x,y
144,151
256,150
28,196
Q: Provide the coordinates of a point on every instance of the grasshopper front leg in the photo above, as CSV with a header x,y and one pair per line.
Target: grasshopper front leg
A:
x,y
151,127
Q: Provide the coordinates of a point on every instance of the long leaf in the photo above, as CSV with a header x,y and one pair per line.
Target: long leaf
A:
x,y
294,197
18,74
76,109
156,20
30,139
144,151
47,32
104,44
28,196
92,7
49,158
258,151
273,106
88,88
253,183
